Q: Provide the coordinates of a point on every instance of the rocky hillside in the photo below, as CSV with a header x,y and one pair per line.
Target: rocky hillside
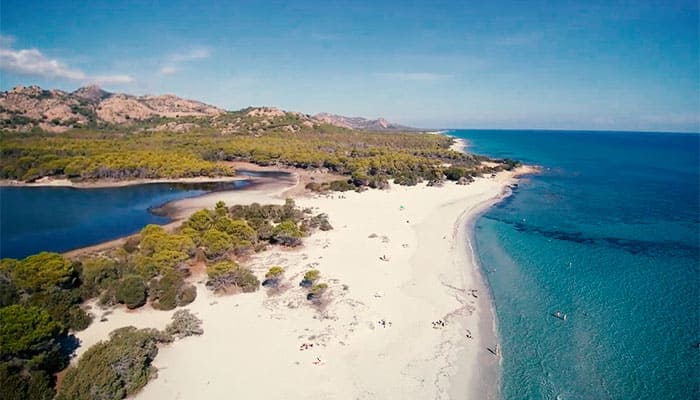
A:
x,y
377,125
24,108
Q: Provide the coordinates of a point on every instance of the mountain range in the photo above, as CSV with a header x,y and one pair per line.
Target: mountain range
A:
x,y
26,108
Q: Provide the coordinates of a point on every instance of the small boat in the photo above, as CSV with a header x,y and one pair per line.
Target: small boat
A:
x,y
560,315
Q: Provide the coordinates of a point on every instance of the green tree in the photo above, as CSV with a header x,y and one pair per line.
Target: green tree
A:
x,y
132,291
216,243
8,293
220,208
63,306
42,271
171,291
21,384
200,221
220,268
97,274
287,233
26,331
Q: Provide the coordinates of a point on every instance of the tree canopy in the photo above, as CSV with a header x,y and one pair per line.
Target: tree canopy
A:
x,y
26,330
42,271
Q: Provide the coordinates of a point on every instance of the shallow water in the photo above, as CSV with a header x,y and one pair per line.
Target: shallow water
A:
x,y
609,235
35,219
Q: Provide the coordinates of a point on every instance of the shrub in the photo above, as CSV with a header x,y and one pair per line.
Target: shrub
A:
x,y
131,244
184,324
18,384
406,180
319,221
274,272
216,243
379,182
273,276
341,186
8,293
287,233
310,277
220,208
314,187
238,229
227,273
453,173
97,274
200,221
113,369
317,291
220,268
132,291
171,291
63,306
187,295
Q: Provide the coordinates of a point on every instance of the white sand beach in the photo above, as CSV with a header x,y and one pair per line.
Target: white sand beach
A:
x,y
251,342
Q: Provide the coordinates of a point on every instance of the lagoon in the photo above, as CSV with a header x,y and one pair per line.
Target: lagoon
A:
x,y
60,219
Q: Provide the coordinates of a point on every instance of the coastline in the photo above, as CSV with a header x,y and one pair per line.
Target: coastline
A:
x,y
419,361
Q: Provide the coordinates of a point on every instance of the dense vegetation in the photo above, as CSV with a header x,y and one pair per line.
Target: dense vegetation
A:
x,y
119,367
41,297
115,368
134,151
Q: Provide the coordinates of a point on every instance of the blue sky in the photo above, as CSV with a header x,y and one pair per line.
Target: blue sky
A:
x,y
622,65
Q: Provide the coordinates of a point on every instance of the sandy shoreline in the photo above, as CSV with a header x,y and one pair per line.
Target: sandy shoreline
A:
x,y
252,337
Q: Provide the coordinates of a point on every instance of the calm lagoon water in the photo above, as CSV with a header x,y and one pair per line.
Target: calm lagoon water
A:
x,y
58,219
609,234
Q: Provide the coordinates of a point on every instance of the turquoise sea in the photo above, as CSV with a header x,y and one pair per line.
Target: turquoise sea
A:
x,y
34,219
609,234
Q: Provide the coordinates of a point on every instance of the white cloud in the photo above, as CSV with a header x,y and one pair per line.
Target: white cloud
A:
x,y
110,79
414,76
196,53
173,62
168,70
33,62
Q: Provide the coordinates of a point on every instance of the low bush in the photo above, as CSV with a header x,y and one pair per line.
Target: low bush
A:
x,y
317,291
184,324
341,186
310,277
225,274
273,276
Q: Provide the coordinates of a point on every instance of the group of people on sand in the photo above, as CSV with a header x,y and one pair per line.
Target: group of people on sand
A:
x,y
306,346
439,324
384,323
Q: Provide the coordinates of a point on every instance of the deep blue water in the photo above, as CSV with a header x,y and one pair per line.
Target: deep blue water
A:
x,y
60,219
609,234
